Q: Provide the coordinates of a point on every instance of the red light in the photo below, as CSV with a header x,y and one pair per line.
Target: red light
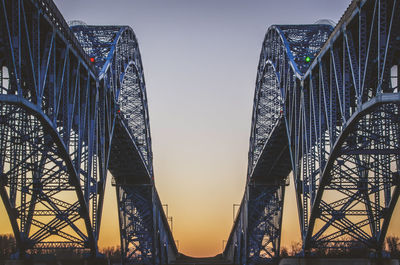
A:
x,y
119,111
92,59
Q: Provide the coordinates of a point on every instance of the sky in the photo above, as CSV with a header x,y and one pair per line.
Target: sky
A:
x,y
200,59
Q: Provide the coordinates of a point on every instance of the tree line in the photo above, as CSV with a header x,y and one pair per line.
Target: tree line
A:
x,y
8,247
346,248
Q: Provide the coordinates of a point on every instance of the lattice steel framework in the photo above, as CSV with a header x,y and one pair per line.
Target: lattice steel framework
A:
x,y
72,107
116,55
135,217
48,99
269,156
264,217
334,117
347,152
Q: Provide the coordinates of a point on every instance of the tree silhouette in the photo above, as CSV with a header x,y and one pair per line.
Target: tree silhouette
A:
x,y
393,245
7,246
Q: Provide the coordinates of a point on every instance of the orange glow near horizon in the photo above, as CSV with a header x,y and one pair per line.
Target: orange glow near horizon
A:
x,y
200,63
211,227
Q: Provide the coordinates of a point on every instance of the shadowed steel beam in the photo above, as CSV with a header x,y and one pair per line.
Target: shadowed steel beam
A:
x,y
325,107
73,106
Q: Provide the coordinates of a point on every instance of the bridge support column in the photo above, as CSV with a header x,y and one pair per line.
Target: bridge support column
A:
x,y
265,206
135,206
256,234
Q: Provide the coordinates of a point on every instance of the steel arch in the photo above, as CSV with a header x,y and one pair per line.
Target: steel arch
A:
x,y
130,162
42,146
357,68
332,116
45,135
355,157
74,105
115,52
282,64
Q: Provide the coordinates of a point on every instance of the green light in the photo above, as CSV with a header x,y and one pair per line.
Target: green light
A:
x,y
308,59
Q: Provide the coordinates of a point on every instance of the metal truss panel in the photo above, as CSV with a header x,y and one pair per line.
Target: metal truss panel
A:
x,y
136,223
264,223
73,102
345,155
304,41
125,164
115,52
360,182
278,71
36,182
145,234
47,101
333,93
255,236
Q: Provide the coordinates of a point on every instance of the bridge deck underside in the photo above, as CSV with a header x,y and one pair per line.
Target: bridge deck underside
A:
x,y
274,164
74,105
337,90
126,164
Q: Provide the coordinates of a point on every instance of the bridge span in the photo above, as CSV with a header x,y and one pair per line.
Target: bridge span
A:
x,y
326,108
73,106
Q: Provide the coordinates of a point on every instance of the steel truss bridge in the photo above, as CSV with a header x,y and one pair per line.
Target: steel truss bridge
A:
x,y
73,106
326,108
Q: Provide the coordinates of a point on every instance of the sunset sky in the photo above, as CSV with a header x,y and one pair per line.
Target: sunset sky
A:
x,y
200,59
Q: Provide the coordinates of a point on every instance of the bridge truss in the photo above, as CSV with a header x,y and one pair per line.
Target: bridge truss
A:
x,y
73,106
326,107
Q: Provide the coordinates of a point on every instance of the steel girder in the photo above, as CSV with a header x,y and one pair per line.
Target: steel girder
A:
x,y
264,218
73,106
48,100
136,219
255,236
269,153
235,249
347,149
279,68
339,108
116,54
146,238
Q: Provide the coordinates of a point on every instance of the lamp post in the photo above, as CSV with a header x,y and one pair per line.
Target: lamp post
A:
x,y
223,244
235,205
172,225
166,207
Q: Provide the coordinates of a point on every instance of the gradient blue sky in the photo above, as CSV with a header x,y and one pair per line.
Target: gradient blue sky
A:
x,y
200,59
